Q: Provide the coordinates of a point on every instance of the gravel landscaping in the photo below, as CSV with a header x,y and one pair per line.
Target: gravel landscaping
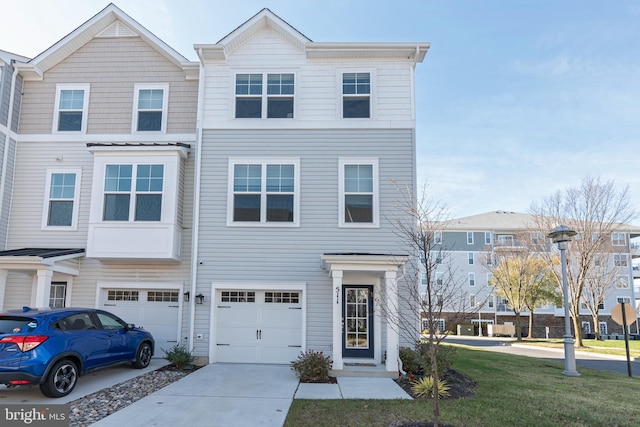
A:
x,y
93,407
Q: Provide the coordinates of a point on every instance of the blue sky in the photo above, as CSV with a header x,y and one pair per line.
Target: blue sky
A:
x,y
515,99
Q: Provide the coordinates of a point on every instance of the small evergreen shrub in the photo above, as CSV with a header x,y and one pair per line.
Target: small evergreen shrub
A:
x,y
411,363
312,366
444,358
424,387
179,356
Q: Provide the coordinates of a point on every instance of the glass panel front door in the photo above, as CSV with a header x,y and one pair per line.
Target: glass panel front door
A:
x,y
357,319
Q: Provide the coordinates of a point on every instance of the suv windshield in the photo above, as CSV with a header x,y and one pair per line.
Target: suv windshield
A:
x,y
16,324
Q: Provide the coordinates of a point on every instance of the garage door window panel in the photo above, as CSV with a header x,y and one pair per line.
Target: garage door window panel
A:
x,y
122,295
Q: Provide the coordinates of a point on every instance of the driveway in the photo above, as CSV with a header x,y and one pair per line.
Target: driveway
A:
x,y
215,395
87,384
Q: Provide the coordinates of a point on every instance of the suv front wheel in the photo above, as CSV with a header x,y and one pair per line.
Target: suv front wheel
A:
x,y
61,380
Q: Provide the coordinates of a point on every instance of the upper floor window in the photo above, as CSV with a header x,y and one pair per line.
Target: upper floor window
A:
x,y
437,237
358,192
250,96
146,194
61,198
356,95
618,239
150,107
472,279
264,191
620,260
487,237
70,114
471,258
621,282
469,237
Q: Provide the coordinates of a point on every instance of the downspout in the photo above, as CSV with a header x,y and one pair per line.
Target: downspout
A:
x,y
5,157
195,237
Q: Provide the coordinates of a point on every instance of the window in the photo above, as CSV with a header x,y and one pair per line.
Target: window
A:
x,y
147,195
437,237
438,325
621,282
150,107
472,279
58,294
597,260
491,301
603,328
618,239
70,113
282,297
162,296
122,295
487,237
359,193
625,300
472,300
439,258
250,92
356,95
61,198
423,279
264,192
439,279
620,260
238,296
505,240
471,260
601,306
469,237
489,258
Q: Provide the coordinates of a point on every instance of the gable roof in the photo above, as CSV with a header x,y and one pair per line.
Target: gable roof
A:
x,y
266,19
7,57
109,22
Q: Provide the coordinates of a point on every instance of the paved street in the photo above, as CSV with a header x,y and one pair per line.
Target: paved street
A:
x,y
585,360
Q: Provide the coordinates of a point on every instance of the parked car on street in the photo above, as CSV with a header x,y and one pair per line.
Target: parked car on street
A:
x,y
53,347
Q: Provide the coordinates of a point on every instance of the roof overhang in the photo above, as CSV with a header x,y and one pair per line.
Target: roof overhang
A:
x,y
112,147
40,258
362,262
413,52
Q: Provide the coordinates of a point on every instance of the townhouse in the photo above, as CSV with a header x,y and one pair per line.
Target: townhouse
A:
x,y
472,243
241,205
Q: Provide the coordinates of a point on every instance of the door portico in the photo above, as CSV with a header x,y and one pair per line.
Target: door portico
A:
x,y
353,272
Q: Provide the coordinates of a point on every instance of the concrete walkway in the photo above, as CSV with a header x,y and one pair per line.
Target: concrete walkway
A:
x,y
240,395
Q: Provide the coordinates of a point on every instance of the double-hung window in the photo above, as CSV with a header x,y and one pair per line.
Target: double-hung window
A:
x,y
141,183
620,260
264,192
61,198
356,95
58,294
70,113
618,239
265,95
358,192
472,279
150,107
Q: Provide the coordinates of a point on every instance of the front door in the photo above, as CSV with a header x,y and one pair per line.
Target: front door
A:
x,y
357,321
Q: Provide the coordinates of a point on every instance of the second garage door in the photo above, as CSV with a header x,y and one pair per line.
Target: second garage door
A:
x,y
258,326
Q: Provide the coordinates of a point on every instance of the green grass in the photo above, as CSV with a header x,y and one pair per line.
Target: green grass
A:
x,y
512,391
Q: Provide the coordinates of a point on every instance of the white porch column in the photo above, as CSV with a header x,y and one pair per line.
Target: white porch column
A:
x,y
3,286
336,301
393,340
43,287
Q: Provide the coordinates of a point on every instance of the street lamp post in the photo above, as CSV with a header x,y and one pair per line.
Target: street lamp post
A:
x,y
562,235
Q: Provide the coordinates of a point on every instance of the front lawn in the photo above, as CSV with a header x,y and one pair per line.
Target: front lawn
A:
x,y
512,391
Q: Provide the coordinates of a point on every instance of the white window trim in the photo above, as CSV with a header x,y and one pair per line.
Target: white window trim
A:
x,y
620,260
469,233
264,161
342,162
264,96
165,106
622,279
437,237
489,240
471,258
85,107
472,279
76,200
614,242
372,94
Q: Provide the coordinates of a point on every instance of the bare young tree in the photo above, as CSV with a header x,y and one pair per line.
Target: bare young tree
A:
x,y
434,288
594,209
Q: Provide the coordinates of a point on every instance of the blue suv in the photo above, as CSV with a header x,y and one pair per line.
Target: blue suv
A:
x,y
53,347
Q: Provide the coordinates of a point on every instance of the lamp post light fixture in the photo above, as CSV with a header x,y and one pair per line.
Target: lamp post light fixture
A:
x,y
562,235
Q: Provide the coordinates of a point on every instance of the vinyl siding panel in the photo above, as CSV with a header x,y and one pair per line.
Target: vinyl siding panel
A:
x,y
292,255
5,203
5,88
112,66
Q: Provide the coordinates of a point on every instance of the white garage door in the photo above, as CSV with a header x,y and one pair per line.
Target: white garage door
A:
x,y
154,310
258,326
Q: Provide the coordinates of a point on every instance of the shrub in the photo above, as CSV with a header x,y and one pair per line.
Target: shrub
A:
x,y
312,366
444,358
424,387
411,363
179,356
